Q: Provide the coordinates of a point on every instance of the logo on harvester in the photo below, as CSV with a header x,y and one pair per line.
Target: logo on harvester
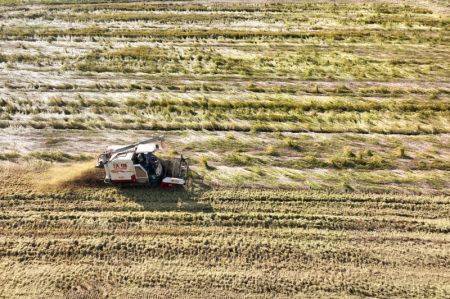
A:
x,y
120,165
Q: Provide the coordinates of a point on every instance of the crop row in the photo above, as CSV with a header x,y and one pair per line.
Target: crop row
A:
x,y
282,105
79,124
416,36
287,7
269,17
302,63
260,220
227,195
300,88
287,254
329,122
250,115
286,105
428,210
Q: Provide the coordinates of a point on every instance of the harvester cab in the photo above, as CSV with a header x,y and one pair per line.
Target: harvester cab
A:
x,y
137,164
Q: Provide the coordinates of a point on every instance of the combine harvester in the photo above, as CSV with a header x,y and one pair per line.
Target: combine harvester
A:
x,y
136,164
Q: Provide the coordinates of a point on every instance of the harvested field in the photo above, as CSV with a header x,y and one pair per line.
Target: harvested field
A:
x,y
318,134
98,241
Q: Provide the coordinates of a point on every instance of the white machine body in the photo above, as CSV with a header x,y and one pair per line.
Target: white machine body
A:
x,y
120,168
138,164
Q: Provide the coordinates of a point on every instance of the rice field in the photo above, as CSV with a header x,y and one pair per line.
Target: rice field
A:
x,y
106,242
318,134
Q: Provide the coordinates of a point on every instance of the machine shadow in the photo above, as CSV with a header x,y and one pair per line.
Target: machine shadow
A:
x,y
154,199
166,200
